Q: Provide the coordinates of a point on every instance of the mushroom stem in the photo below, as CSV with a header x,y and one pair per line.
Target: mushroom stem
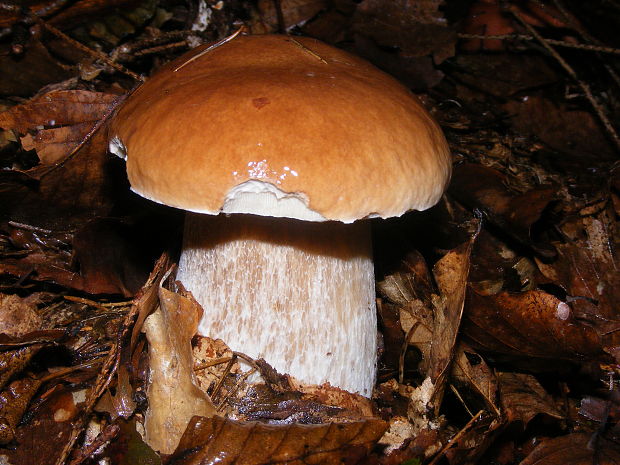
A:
x,y
298,294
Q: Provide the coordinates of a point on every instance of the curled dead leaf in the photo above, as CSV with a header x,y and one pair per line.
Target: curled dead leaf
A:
x,y
173,395
211,440
523,398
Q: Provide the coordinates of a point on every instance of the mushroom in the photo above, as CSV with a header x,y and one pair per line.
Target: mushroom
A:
x,y
280,149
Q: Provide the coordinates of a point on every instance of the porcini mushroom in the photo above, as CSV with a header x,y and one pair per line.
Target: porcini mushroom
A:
x,y
281,149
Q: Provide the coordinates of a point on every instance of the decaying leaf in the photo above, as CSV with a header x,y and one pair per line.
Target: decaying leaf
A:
x,y
59,121
417,28
523,398
532,324
128,447
485,188
173,397
13,403
294,13
25,75
451,276
14,361
42,438
121,404
470,369
575,449
18,316
211,440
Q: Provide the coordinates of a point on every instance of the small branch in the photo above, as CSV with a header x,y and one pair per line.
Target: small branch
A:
x,y
98,55
559,43
455,438
211,47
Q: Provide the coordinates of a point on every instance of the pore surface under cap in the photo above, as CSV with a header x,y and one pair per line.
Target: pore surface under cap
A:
x,y
313,121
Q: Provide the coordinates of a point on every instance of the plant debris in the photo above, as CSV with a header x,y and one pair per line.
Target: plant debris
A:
x,y
498,308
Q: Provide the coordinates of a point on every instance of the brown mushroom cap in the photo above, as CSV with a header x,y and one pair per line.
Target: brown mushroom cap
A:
x,y
294,118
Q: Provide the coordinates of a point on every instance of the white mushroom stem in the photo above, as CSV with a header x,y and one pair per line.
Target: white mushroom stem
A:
x,y
298,294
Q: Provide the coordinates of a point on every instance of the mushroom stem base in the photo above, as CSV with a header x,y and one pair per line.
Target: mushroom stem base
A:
x,y
298,294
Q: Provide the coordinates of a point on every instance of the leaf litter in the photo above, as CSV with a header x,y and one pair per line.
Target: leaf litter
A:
x,y
485,341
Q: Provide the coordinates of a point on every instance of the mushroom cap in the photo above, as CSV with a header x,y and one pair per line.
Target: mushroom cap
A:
x,y
280,126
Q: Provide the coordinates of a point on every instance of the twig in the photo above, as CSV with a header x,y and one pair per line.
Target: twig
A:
x,y
306,49
66,371
211,47
160,48
455,438
100,56
559,43
109,433
584,86
219,384
90,303
212,363
458,395
245,376
574,23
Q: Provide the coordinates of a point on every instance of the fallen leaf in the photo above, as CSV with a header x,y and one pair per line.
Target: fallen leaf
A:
x,y
528,324
567,130
575,449
474,439
522,398
14,361
14,401
483,188
294,12
18,316
173,395
450,273
58,109
416,27
502,75
25,74
128,447
211,440
43,437
470,369
121,403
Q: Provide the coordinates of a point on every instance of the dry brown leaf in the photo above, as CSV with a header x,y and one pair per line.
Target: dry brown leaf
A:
x,y
18,316
13,403
485,189
211,440
173,396
528,324
523,398
103,261
82,185
560,126
205,352
14,361
59,108
575,449
451,276
470,369
294,12
54,144
25,74
121,403
417,28
55,123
